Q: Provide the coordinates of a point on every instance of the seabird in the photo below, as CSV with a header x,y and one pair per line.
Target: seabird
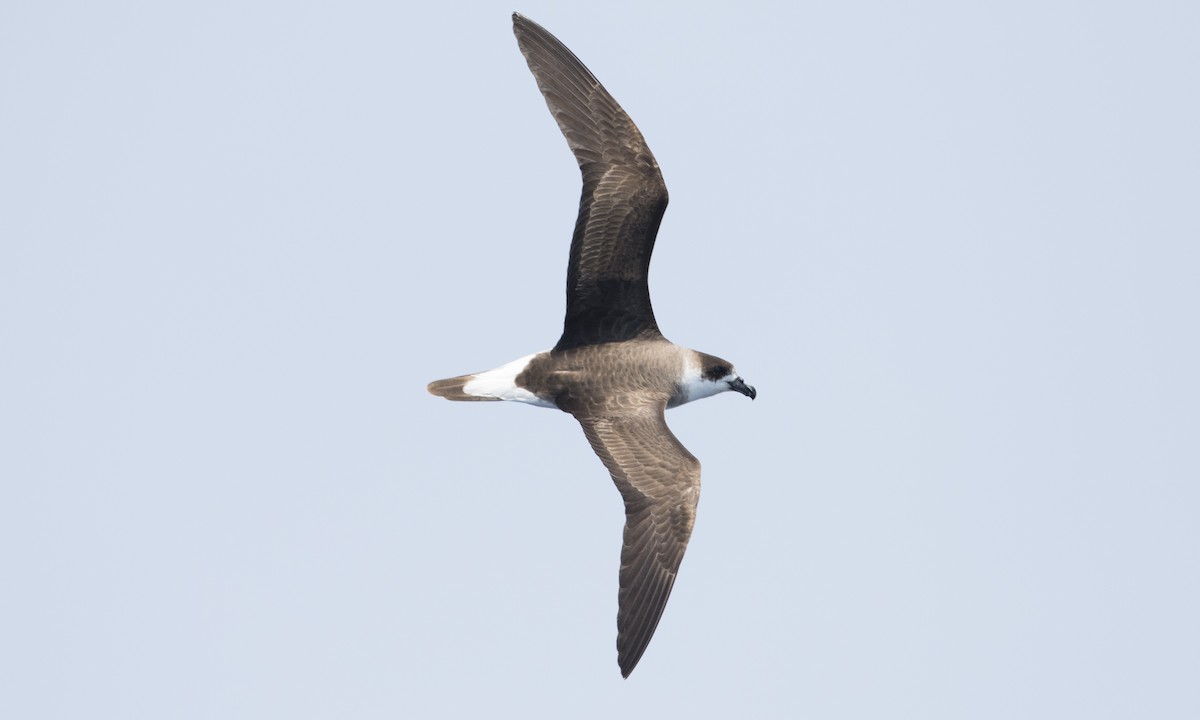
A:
x,y
612,369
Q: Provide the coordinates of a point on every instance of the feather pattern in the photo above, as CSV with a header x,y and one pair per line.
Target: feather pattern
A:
x,y
660,483
623,201
612,369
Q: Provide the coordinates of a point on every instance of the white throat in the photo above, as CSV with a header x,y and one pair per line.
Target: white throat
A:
x,y
693,384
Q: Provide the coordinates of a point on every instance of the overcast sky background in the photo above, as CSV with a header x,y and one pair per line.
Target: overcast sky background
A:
x,y
955,246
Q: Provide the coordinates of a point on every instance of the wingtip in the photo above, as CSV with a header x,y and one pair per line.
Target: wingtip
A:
x,y
627,663
522,23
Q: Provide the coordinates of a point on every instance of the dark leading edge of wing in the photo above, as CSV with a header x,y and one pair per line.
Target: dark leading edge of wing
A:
x,y
624,197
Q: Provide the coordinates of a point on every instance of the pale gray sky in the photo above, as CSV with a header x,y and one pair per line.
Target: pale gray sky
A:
x,y
954,245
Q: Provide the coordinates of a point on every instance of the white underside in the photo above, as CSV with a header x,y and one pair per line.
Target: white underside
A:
x,y
695,387
501,384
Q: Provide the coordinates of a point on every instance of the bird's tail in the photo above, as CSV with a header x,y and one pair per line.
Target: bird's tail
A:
x,y
452,389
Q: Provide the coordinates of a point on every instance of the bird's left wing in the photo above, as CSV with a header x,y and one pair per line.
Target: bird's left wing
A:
x,y
660,483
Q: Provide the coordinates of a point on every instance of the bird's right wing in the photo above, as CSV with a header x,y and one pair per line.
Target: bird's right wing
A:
x,y
624,197
660,483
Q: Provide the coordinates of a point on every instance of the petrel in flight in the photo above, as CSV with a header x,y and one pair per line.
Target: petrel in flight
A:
x,y
612,368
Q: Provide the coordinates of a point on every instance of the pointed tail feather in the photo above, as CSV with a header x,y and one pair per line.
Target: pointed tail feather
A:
x,y
452,389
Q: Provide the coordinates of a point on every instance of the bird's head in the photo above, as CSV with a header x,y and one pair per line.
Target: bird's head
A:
x,y
706,375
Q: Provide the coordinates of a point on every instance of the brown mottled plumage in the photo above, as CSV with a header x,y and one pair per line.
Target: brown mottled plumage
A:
x,y
624,197
612,369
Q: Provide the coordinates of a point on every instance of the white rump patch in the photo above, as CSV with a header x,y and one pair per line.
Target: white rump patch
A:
x,y
501,384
